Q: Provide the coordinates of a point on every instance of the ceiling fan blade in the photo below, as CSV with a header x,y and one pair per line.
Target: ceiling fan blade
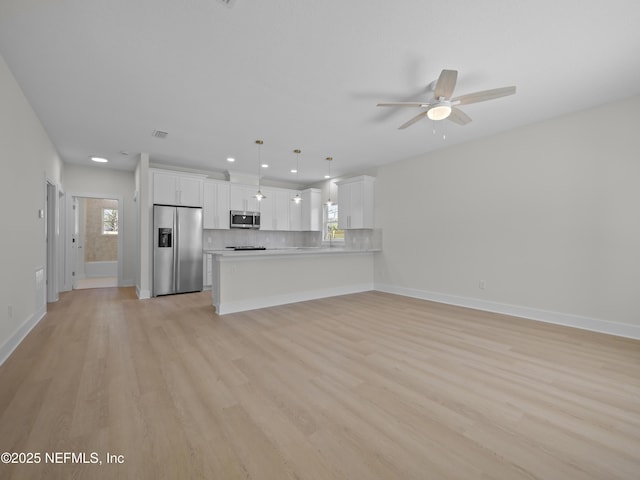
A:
x,y
420,116
483,96
446,83
403,104
459,117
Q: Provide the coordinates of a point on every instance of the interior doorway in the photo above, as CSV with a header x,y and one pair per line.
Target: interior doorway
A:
x,y
96,242
52,234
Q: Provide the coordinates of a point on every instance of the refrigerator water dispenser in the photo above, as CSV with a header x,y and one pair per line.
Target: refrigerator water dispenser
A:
x,y
164,237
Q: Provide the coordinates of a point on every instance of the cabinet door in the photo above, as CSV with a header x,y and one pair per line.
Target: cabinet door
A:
x,y
311,210
207,270
267,210
253,205
295,213
355,203
164,189
281,210
242,198
190,192
344,206
222,206
356,206
237,198
215,205
209,210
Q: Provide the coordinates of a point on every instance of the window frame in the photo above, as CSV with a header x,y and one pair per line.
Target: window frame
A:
x,y
333,221
104,221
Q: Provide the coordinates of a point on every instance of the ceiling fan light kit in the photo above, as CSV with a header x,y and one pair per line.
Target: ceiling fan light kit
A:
x,y
442,106
440,111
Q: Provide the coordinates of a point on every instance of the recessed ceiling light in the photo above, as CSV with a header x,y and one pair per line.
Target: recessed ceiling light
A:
x,y
99,159
293,170
327,176
231,159
265,165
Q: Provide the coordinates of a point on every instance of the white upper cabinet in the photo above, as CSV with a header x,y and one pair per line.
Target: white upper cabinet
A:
x,y
176,189
295,212
355,202
216,204
242,198
274,209
311,210
278,211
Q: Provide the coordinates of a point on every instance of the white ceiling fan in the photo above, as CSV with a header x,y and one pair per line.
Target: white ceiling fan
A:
x,y
442,106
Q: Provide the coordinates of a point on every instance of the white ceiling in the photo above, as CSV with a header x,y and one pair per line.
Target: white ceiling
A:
x,y
102,75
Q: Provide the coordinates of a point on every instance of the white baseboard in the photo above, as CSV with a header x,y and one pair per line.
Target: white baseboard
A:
x,y
272,301
569,320
21,332
142,294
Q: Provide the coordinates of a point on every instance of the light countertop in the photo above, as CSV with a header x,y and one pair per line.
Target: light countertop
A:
x,y
228,252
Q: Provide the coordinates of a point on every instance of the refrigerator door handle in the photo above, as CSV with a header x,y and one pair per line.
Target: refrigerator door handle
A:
x,y
176,252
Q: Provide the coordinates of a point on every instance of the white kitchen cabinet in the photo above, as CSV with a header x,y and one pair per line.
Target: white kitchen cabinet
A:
x,y
242,198
274,209
311,210
215,212
295,212
355,202
281,210
176,189
207,271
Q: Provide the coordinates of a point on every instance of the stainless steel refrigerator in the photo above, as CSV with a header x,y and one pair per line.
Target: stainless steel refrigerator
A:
x,y
177,250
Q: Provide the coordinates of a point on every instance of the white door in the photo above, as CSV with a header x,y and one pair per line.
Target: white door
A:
x,y
77,242
52,243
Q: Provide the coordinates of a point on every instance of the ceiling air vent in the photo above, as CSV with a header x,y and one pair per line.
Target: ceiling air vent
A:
x,y
228,3
159,134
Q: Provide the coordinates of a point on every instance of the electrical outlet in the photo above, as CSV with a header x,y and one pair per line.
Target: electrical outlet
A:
x,y
482,284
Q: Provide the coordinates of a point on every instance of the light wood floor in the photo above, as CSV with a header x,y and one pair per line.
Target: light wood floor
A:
x,y
365,386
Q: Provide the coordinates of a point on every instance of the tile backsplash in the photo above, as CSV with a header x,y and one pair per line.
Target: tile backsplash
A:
x,y
365,239
218,239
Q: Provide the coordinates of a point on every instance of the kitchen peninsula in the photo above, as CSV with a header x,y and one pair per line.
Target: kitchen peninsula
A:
x,y
250,279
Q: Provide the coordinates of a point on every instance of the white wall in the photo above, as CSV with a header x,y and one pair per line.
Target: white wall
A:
x,y
547,215
97,181
27,159
144,226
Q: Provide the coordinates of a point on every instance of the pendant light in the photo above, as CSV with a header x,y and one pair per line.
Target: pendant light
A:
x,y
329,202
259,195
297,199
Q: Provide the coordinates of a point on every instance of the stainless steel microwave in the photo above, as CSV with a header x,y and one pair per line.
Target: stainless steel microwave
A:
x,y
240,219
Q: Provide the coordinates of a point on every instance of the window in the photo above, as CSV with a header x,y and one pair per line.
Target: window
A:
x,y
110,221
330,231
